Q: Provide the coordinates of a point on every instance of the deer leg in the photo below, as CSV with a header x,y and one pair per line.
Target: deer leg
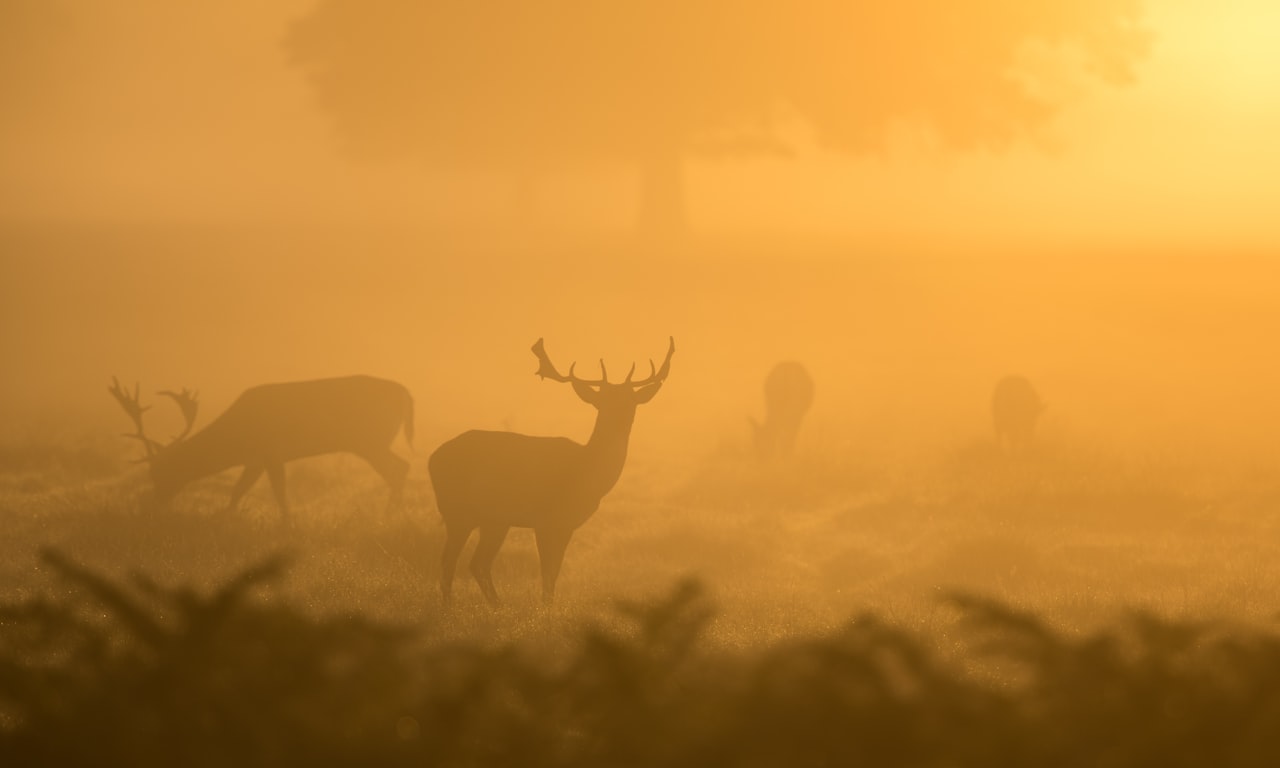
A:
x,y
551,546
455,540
248,477
491,538
275,473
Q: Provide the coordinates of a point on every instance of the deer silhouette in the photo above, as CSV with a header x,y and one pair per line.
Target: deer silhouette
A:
x,y
272,424
1015,409
496,481
788,394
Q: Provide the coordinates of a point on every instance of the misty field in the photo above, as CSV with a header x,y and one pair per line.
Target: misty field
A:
x,y
790,546
900,591
975,610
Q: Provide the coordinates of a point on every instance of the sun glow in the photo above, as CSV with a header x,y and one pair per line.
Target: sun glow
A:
x,y
1227,51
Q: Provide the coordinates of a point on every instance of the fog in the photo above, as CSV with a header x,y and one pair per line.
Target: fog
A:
x,y
177,210
911,200
1144,352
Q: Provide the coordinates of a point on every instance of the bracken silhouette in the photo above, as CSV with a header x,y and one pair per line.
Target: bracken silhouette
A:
x,y
143,674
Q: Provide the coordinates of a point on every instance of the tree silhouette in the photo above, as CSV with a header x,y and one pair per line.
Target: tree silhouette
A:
x,y
526,87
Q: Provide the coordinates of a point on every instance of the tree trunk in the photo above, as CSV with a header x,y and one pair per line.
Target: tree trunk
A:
x,y
662,213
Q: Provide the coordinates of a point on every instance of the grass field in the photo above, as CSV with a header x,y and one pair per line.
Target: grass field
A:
x,y
786,547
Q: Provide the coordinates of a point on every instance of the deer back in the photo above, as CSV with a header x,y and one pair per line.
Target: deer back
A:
x,y
304,418
274,423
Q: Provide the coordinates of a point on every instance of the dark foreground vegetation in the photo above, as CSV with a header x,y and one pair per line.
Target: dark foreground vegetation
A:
x,y
97,671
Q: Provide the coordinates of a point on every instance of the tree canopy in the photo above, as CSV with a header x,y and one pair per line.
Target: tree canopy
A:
x,y
532,84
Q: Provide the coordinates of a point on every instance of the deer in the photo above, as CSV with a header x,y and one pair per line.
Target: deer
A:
x,y
1015,409
495,481
271,424
788,394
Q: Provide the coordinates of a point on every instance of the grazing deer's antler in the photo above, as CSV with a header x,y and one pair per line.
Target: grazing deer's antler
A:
x,y
134,409
187,402
131,403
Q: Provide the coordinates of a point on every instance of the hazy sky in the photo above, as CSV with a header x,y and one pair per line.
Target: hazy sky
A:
x,y
163,113
171,110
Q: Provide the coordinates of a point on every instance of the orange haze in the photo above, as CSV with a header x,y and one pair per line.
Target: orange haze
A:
x,y
175,210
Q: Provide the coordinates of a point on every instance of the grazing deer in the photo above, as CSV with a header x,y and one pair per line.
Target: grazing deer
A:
x,y
495,481
788,393
271,424
1015,409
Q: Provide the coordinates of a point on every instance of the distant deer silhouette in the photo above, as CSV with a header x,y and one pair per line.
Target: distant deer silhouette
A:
x,y
788,394
272,424
495,481
1015,409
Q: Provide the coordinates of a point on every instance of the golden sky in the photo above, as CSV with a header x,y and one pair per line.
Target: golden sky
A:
x,y
174,111
1188,154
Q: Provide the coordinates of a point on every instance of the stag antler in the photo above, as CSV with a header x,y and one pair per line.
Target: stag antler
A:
x,y
655,374
547,370
186,400
134,409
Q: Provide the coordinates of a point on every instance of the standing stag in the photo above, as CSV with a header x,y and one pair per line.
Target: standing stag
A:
x,y
788,394
271,424
495,481
1015,409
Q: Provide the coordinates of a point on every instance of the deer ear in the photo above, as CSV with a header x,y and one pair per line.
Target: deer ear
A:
x,y
646,393
586,393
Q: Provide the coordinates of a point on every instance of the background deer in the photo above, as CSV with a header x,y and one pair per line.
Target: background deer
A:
x,y
788,394
1015,409
272,424
495,481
